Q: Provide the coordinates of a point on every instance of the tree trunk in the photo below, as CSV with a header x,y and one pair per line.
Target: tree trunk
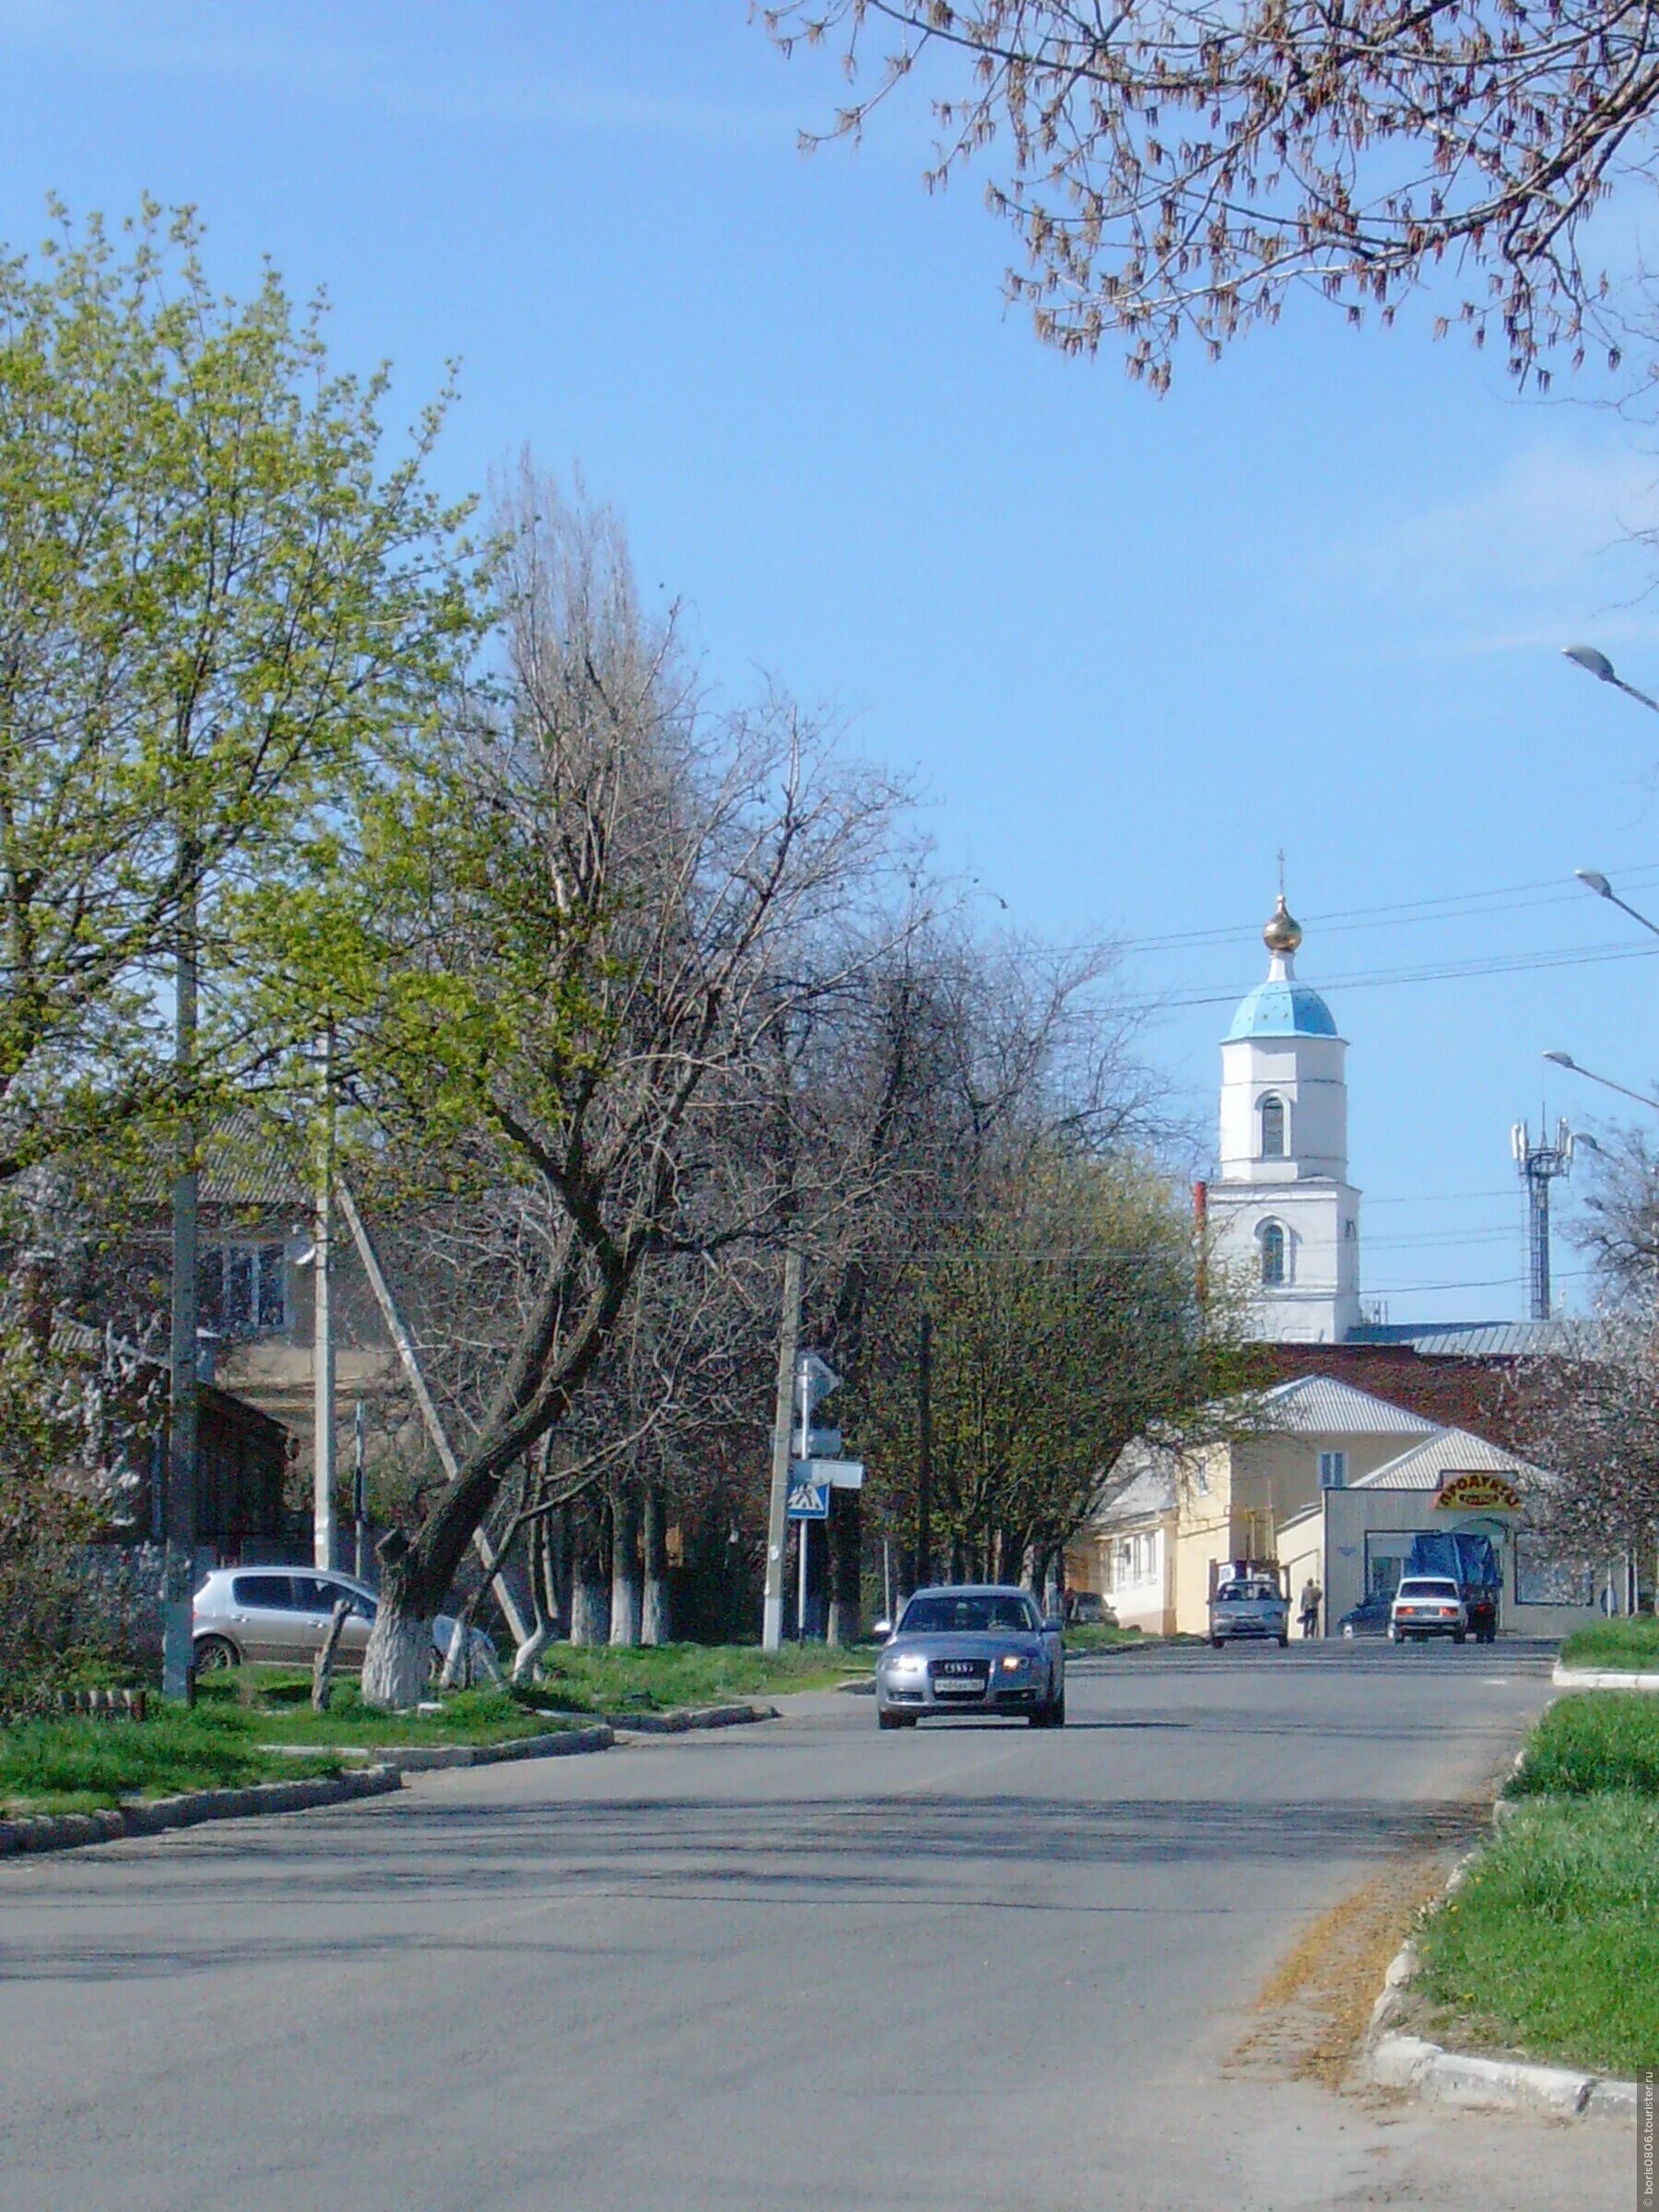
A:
x,y
625,1566
656,1619
846,1568
398,1660
590,1575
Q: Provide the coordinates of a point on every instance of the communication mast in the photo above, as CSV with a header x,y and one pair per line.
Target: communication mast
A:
x,y
1538,1165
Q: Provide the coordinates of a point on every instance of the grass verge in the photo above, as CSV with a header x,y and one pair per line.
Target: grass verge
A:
x,y
1593,1741
81,1766
598,1679
1550,1949
1620,1646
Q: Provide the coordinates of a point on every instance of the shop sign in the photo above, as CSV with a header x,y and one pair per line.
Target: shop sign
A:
x,y
1478,1491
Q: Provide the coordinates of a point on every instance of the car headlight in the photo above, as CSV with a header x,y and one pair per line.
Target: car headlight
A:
x,y
906,1663
1014,1663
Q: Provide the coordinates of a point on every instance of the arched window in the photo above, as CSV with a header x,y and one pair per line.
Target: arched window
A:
x,y
1273,1254
1273,1127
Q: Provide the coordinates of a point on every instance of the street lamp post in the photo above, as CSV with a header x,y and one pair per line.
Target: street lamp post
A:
x,y
1596,663
1567,1061
1594,880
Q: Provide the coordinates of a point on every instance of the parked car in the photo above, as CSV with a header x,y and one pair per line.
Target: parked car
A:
x,y
1428,1604
1252,1611
981,1648
1370,1617
282,1612
1089,1609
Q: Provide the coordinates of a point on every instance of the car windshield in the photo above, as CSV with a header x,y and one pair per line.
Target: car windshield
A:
x,y
1232,1594
1428,1589
978,1614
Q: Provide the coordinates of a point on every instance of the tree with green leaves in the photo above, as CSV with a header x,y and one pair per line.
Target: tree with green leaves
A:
x,y
1066,1316
220,597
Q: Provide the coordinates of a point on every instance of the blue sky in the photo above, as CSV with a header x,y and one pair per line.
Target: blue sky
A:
x,y
1313,599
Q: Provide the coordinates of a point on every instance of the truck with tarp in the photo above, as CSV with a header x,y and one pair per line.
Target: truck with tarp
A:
x,y
1471,1562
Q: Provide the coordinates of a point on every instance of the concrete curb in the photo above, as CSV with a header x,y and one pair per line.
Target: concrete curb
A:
x,y
1428,2071
154,1815
424,1759
1584,1678
689,1717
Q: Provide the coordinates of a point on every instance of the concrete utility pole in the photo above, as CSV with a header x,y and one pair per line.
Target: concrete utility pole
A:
x,y
777,1519
1540,1164
322,1338
178,1608
923,1567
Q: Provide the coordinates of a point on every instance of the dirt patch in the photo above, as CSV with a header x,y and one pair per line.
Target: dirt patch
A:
x,y
1311,2014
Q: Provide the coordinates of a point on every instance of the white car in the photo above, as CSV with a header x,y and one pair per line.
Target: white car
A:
x,y
1428,1604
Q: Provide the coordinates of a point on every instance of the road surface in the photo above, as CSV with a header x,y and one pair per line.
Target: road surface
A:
x,y
800,1967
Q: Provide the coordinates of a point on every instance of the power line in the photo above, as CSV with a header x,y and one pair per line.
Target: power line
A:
x,y
1440,971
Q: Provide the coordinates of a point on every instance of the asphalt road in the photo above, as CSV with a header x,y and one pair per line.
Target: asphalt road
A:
x,y
802,1967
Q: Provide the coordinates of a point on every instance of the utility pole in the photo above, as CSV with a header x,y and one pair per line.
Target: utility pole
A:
x,y
924,1454
178,1613
1538,1165
777,1519
360,1490
322,1339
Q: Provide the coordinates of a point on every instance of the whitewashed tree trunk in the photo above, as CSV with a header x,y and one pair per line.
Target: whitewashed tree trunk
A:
x,y
625,1567
397,1662
590,1610
657,1617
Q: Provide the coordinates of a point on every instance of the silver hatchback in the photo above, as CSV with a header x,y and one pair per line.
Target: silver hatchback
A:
x,y
282,1612
981,1648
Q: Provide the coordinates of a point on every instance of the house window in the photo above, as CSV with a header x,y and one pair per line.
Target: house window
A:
x,y
1273,1127
243,1289
1273,1254
1333,1470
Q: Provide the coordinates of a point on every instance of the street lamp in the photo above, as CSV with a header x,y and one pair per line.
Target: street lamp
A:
x,y
1567,1061
1597,665
1594,880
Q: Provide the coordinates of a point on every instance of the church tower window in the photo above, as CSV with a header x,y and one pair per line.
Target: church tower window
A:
x,y
1273,1255
1273,1127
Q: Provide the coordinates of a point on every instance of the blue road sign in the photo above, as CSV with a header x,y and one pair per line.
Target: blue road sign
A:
x,y
809,1500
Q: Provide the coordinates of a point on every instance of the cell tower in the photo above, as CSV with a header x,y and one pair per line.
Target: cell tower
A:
x,y
1538,1165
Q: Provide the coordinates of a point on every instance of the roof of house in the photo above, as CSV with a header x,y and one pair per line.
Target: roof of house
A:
x,y
1147,1473
242,1164
1444,1389
1447,1452
1321,1405
1466,1339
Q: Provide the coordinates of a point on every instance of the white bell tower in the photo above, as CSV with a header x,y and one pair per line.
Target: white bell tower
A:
x,y
1284,1215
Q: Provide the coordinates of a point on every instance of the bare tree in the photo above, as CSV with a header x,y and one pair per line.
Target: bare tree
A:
x,y
592,916
1180,170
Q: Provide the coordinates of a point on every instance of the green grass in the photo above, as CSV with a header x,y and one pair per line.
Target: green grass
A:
x,y
1079,1642
277,1701
1592,1742
1621,1646
598,1679
1550,1949
84,1766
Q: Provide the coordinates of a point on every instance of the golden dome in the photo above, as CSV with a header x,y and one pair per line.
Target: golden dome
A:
x,y
1283,933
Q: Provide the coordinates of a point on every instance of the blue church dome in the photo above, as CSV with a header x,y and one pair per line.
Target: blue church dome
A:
x,y
1282,1009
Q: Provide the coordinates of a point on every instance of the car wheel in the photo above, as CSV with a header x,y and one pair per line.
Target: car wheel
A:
x,y
1057,1711
211,1653
1216,1642
889,1720
1459,1635
1284,1641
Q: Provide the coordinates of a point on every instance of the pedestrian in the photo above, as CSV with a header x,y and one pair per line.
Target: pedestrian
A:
x,y
1311,1596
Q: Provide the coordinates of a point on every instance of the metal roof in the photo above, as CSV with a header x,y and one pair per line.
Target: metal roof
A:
x,y
1320,1404
1147,1475
1447,1452
1465,1339
1282,1009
